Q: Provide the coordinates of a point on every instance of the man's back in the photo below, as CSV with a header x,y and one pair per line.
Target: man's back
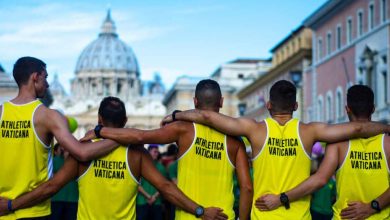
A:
x,y
281,164
25,159
363,165
205,172
108,188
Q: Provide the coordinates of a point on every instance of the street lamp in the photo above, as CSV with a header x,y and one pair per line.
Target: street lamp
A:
x,y
241,108
296,77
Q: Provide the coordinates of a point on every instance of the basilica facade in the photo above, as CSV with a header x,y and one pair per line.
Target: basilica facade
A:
x,y
109,67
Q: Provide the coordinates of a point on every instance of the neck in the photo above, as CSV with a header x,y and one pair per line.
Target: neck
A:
x,y
24,96
209,109
281,118
361,119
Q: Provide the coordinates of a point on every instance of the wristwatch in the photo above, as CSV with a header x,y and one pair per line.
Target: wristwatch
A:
x,y
174,114
199,211
284,200
375,205
97,130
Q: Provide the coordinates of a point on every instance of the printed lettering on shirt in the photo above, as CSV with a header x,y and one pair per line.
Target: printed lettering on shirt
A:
x,y
282,147
15,129
366,160
109,169
209,149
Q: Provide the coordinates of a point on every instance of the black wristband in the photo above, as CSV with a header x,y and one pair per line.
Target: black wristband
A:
x,y
174,114
284,200
97,130
375,205
9,206
199,211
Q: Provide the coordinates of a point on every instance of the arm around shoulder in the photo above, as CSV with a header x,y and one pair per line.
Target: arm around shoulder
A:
x,y
58,126
340,132
46,190
225,124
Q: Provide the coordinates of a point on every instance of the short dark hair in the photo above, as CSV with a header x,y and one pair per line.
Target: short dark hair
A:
x,y
283,96
152,146
113,111
172,150
360,99
208,93
25,66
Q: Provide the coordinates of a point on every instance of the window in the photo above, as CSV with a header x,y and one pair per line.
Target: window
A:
x,y
360,23
106,89
320,115
349,30
328,43
119,88
329,107
293,46
320,54
339,104
371,16
385,86
287,51
338,37
383,10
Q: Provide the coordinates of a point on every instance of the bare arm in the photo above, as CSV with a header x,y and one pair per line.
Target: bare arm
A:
x,y
171,192
244,180
384,199
57,124
310,185
345,131
47,189
225,124
164,135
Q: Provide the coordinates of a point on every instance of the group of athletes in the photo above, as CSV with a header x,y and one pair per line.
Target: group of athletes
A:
x,y
108,161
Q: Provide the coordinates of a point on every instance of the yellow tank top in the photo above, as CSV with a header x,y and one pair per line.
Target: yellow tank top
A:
x,y
281,165
205,173
108,189
25,161
363,176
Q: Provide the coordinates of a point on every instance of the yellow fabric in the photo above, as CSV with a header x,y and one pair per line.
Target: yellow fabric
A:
x,y
25,162
205,173
107,189
281,165
363,176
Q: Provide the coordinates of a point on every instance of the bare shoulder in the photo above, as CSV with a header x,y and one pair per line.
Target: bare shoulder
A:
x,y
310,128
47,115
44,112
180,127
338,147
262,126
183,124
386,144
257,132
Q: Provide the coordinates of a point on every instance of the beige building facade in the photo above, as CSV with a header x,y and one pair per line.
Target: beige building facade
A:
x,y
231,77
289,59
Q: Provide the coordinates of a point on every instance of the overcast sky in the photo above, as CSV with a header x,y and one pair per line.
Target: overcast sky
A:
x,y
171,37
